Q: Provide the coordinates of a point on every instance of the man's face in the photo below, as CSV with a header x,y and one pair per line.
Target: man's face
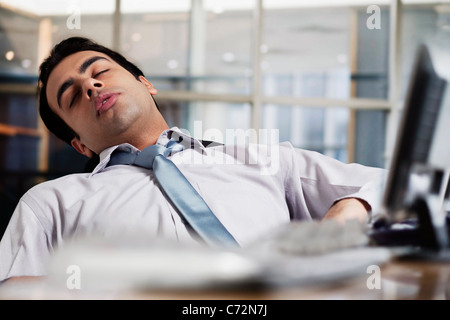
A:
x,y
102,102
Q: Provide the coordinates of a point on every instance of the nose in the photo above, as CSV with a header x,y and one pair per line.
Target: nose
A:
x,y
91,86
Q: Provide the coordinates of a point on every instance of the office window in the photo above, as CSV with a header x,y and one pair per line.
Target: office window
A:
x,y
307,50
371,81
200,46
155,35
327,53
98,27
220,117
202,119
423,23
318,129
225,37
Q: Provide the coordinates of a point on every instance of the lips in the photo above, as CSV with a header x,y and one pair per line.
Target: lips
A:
x,y
105,101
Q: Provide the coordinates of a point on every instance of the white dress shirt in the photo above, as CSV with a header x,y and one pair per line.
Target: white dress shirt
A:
x,y
252,189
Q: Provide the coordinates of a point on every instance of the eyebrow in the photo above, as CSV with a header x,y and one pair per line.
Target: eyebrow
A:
x,y
82,69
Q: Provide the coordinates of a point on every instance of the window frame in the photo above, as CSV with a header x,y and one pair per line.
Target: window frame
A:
x,y
256,99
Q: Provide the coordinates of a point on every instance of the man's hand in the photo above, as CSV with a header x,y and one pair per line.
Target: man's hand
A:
x,y
347,209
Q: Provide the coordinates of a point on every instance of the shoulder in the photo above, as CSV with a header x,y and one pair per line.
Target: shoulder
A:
x,y
55,188
66,180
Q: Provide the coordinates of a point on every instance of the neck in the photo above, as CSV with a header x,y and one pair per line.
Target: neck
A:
x,y
145,139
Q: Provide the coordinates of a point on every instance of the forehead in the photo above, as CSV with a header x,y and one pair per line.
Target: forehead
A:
x,y
71,64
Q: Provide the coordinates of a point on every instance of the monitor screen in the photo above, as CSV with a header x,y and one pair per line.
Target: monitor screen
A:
x,y
416,133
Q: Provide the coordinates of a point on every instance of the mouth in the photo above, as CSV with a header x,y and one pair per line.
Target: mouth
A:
x,y
105,101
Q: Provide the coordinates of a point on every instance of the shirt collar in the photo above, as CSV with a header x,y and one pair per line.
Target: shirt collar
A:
x,y
175,133
187,141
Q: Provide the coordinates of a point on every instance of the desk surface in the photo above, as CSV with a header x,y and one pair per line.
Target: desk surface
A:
x,y
401,280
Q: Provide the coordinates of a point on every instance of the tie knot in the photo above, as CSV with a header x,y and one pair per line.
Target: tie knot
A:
x,y
145,157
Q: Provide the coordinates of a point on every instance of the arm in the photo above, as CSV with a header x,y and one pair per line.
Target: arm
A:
x,y
333,189
24,248
347,209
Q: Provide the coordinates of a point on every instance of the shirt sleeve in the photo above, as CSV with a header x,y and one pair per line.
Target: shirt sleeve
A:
x,y
324,180
24,248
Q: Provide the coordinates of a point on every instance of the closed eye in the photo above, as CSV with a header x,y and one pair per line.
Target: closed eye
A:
x,y
99,73
73,99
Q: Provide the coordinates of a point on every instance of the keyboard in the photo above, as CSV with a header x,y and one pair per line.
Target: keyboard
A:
x,y
315,252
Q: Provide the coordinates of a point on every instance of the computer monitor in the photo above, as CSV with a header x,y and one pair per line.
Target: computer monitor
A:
x,y
414,183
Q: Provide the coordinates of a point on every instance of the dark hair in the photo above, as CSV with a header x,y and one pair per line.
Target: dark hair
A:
x,y
62,50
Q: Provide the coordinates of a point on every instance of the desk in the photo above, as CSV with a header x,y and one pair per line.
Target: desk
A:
x,y
400,280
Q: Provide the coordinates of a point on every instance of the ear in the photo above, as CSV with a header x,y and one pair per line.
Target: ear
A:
x,y
81,148
151,89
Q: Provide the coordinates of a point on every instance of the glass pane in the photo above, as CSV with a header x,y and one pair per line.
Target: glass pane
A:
x,y
206,120
18,49
371,65
25,28
66,8
370,137
92,19
423,23
370,80
203,48
83,18
155,35
221,44
317,51
319,129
